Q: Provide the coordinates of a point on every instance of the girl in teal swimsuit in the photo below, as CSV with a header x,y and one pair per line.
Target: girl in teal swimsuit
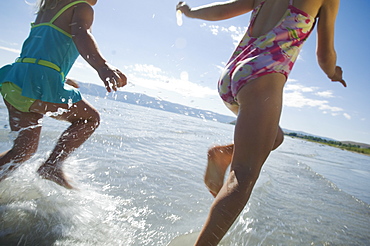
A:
x,y
251,85
35,84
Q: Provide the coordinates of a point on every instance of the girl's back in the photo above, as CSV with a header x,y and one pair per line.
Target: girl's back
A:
x,y
273,10
64,21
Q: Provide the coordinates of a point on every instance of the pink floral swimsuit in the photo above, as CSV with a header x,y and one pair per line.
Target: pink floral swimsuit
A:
x,y
273,52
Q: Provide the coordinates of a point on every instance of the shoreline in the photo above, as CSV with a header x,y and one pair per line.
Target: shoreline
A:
x,y
336,144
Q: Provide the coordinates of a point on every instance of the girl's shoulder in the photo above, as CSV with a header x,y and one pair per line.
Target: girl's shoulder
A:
x,y
64,13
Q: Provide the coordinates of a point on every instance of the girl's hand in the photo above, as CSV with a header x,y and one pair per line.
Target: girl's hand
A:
x,y
112,77
72,82
338,76
218,10
184,8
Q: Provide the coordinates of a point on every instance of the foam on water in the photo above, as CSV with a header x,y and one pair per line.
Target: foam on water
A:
x,y
39,212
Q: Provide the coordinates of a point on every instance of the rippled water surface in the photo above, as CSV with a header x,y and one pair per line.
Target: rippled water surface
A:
x,y
139,180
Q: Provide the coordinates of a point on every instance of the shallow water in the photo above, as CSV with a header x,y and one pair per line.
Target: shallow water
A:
x,y
140,183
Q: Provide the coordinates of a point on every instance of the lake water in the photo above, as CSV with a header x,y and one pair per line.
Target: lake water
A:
x,y
140,181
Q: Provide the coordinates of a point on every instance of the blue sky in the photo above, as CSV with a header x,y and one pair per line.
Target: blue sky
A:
x,y
182,63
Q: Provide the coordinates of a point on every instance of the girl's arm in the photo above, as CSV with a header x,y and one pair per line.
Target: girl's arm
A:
x,y
72,82
218,10
82,20
326,55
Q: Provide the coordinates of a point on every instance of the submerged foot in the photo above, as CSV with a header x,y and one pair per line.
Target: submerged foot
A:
x,y
54,174
219,158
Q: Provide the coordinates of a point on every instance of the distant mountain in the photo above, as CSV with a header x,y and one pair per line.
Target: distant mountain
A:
x,y
152,102
307,134
302,134
362,145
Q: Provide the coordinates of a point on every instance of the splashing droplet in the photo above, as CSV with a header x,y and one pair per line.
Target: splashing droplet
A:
x,y
179,17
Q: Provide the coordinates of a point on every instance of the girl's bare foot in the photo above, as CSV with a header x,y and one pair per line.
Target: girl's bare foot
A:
x,y
54,174
219,158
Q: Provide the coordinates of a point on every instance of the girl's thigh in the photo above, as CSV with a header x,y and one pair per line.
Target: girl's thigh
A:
x,y
81,110
260,104
28,127
22,120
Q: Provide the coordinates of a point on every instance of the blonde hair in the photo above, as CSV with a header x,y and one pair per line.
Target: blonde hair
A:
x,y
46,4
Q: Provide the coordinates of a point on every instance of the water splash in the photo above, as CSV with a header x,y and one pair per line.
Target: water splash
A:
x,y
34,211
179,17
31,3
60,111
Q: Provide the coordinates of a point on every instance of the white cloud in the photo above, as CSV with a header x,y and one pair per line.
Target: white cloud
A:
x,y
326,94
82,65
300,96
297,100
236,33
154,78
347,116
298,87
17,51
295,94
214,29
150,70
330,108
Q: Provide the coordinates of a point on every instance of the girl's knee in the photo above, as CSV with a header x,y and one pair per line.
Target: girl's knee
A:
x,y
90,116
90,123
95,119
244,179
278,141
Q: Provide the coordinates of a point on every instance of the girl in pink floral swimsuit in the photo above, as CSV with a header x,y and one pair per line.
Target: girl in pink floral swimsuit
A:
x,y
273,52
251,85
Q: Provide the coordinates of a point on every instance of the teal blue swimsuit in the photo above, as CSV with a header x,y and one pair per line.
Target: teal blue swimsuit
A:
x,y
46,58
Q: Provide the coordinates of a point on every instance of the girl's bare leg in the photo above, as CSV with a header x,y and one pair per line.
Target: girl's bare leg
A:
x,y
219,159
25,145
84,120
256,130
